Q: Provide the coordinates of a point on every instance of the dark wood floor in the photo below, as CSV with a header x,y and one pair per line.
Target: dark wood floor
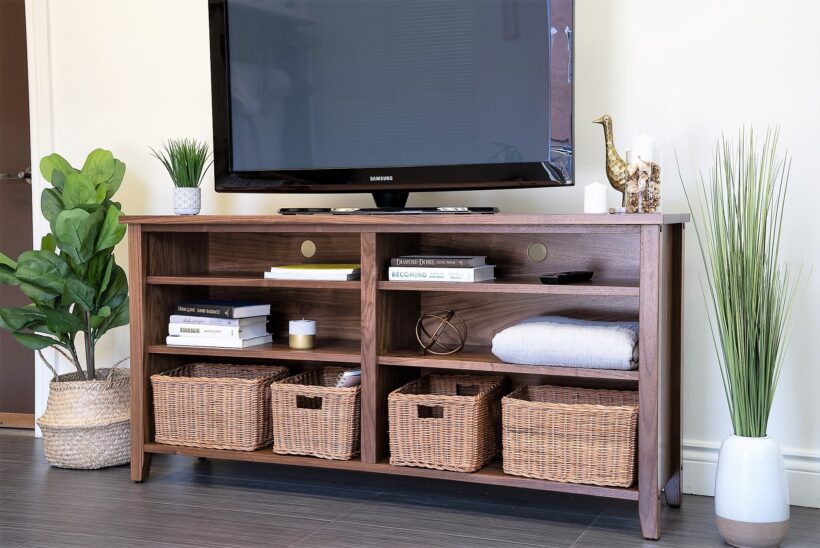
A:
x,y
191,503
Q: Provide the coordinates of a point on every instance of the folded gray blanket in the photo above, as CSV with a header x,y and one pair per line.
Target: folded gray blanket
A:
x,y
566,342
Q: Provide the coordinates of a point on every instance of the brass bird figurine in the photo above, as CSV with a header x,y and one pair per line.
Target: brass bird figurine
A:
x,y
616,168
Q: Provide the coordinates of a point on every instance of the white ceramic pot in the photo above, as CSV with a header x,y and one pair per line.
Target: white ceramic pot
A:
x,y
187,201
751,493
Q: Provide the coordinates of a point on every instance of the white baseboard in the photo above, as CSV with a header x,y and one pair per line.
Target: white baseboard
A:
x,y
802,472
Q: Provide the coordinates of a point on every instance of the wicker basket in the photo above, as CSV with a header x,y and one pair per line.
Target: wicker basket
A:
x,y
87,424
576,435
217,406
313,417
446,422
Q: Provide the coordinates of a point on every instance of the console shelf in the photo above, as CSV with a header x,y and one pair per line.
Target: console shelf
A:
x,y
249,280
491,474
481,359
526,286
637,261
325,351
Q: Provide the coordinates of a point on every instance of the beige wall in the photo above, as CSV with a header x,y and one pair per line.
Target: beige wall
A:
x,y
126,75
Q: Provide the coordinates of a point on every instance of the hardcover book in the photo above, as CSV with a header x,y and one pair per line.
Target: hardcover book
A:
x,y
446,261
319,271
227,322
223,309
421,274
221,342
218,331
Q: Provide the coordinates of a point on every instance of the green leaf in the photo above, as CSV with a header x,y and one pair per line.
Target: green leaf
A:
x,y
62,321
99,166
99,271
78,292
6,260
15,319
100,196
106,278
42,274
117,290
54,162
36,293
58,180
34,342
75,230
113,184
79,190
119,317
48,243
112,231
97,320
7,276
51,204
71,228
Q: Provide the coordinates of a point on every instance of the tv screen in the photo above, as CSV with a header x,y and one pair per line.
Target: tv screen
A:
x,y
367,94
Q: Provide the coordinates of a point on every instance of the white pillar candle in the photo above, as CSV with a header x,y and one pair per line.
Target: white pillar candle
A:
x,y
301,334
643,147
302,327
595,198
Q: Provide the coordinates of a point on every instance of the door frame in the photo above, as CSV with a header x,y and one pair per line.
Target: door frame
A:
x,y
41,116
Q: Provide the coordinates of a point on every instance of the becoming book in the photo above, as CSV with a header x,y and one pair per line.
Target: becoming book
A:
x,y
424,274
223,309
320,271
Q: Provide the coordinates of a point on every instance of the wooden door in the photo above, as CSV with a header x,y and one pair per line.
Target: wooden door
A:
x,y
16,363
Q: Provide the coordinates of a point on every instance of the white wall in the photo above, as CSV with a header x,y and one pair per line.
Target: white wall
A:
x,y
126,75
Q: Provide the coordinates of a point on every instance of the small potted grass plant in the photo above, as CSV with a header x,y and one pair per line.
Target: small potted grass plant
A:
x,y
186,160
738,215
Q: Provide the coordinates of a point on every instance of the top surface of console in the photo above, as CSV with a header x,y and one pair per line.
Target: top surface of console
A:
x,y
387,210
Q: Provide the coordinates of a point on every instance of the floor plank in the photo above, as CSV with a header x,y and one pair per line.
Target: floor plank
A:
x,y
187,502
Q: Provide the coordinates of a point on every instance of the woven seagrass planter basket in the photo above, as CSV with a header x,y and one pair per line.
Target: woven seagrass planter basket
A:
x,y
87,424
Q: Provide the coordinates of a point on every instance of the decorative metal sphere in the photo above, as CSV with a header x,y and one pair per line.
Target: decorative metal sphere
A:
x,y
441,331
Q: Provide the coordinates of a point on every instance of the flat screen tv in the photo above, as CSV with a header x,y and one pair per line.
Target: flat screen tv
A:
x,y
391,96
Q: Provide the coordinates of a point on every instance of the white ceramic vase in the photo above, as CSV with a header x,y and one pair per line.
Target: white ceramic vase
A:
x,y
187,201
751,493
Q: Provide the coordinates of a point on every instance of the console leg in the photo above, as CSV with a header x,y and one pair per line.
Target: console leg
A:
x,y
672,491
140,466
650,513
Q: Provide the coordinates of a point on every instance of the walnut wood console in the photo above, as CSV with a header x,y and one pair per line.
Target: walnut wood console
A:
x,y
637,260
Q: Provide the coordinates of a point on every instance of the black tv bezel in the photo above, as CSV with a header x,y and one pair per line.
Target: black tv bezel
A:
x,y
402,179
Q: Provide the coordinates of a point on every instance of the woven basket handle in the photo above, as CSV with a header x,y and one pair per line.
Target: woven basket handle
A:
x,y
113,367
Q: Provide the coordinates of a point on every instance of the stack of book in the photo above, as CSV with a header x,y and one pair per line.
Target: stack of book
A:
x,y
219,324
440,268
323,272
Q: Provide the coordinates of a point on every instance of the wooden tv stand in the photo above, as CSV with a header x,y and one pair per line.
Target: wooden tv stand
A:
x,y
637,260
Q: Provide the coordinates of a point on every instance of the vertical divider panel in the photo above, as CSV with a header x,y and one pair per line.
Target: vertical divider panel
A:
x,y
167,253
387,321
648,364
370,366
672,345
140,460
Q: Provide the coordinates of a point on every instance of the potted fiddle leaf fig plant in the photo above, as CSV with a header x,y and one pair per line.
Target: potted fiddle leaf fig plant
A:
x,y
186,161
78,293
738,217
